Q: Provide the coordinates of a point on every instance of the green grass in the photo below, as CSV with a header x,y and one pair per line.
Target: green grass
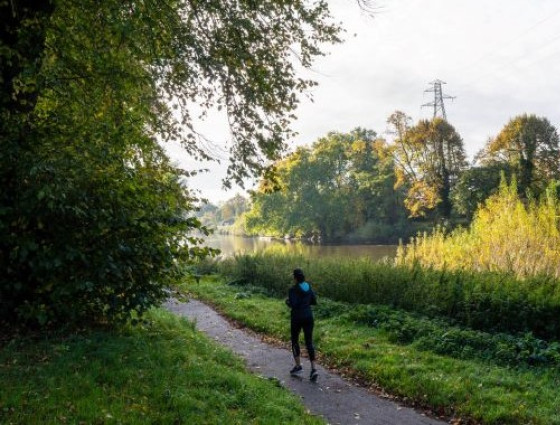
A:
x,y
469,383
159,373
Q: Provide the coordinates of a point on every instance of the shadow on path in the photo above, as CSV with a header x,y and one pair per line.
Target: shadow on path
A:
x,y
331,397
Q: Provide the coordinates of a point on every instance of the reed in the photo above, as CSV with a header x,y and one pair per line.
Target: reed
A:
x,y
489,301
507,235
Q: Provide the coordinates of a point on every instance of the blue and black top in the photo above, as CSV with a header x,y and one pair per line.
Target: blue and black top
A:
x,y
300,299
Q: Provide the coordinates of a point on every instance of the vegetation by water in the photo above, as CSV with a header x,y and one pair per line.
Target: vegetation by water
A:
x,y
356,187
499,275
507,234
162,372
493,378
481,300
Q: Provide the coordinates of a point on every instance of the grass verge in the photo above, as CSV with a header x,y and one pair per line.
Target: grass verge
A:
x,y
160,373
461,383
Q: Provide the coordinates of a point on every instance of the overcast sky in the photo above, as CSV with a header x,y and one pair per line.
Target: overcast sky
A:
x,y
500,58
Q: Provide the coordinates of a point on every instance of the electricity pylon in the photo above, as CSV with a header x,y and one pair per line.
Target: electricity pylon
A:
x,y
438,104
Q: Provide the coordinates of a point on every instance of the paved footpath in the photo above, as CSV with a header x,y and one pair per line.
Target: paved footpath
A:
x,y
337,400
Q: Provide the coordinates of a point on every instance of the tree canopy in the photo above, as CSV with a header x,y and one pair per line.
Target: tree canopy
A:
x,y
95,221
428,159
530,146
341,185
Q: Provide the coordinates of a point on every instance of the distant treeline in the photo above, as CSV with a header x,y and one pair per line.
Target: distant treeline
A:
x,y
359,187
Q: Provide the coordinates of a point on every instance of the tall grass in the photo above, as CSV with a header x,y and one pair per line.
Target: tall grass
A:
x,y
488,301
506,235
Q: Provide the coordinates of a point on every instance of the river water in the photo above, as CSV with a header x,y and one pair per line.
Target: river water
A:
x,y
230,245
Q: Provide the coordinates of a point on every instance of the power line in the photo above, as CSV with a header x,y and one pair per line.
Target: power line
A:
x,y
513,62
510,41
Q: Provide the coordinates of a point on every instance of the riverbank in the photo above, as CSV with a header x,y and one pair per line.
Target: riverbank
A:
x,y
162,372
422,362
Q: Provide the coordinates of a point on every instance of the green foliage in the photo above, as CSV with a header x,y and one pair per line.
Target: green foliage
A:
x,y
440,337
94,221
342,186
488,301
529,145
96,244
475,185
162,372
100,218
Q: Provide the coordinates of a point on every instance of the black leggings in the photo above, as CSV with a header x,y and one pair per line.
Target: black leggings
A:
x,y
307,326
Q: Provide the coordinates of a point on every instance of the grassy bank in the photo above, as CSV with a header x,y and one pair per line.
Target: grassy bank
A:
x,y
160,373
455,371
489,301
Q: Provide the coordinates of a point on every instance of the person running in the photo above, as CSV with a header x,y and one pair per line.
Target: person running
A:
x,y
300,299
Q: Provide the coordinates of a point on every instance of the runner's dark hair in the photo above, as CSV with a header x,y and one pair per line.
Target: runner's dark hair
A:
x,y
299,276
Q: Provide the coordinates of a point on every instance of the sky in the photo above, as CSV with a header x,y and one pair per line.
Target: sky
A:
x,y
499,58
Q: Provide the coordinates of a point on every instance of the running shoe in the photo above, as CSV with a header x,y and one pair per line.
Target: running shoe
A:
x,y
313,375
296,370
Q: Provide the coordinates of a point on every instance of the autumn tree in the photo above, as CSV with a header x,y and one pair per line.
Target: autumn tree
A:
x,y
529,146
428,159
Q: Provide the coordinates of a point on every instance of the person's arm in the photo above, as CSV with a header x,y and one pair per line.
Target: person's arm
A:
x,y
288,302
294,300
290,299
313,300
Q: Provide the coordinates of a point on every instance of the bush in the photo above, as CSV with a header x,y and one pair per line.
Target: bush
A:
x,y
90,240
440,337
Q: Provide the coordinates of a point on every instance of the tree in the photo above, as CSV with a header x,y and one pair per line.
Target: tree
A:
x,y
529,145
336,187
429,158
372,179
232,209
94,219
477,184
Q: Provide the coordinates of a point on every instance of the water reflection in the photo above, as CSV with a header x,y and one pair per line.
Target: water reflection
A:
x,y
230,245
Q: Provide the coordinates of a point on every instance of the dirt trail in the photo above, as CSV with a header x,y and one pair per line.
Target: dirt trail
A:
x,y
338,401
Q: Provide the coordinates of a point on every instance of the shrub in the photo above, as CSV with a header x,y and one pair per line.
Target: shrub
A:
x,y
92,243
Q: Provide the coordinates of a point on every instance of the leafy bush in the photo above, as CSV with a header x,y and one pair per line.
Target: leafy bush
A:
x,y
441,337
86,241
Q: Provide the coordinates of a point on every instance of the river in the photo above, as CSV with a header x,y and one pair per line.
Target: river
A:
x,y
230,245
